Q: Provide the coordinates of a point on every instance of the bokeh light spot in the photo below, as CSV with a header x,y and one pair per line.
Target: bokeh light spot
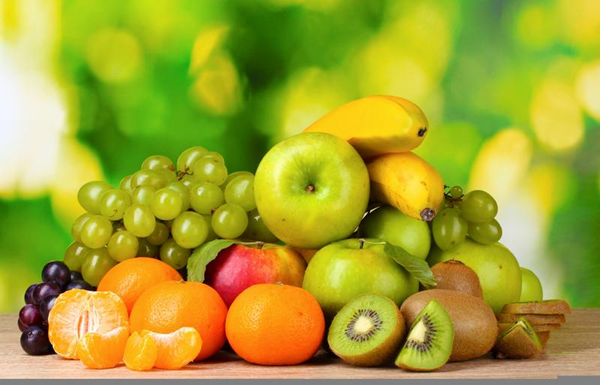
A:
x,y
588,88
206,43
114,55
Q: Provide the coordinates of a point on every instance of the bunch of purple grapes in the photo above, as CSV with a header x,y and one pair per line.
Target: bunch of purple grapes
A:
x,y
39,300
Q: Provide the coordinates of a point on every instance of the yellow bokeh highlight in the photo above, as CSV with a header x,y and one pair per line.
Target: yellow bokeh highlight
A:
x,y
206,43
535,25
588,88
581,22
502,163
77,165
217,86
556,117
114,55
551,185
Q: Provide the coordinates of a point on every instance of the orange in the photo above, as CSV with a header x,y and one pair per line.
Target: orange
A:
x,y
78,312
140,352
169,306
103,351
130,278
273,324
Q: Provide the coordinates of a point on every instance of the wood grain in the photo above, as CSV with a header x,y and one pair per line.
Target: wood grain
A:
x,y
574,350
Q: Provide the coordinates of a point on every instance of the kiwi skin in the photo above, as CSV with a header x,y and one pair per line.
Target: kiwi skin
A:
x,y
475,326
382,354
455,275
519,341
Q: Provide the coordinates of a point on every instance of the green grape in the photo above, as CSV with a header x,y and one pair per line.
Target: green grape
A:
x,y
214,155
211,236
240,191
456,192
96,264
229,221
188,181
148,178
113,204
89,195
166,204
78,225
210,170
159,235
158,162
206,197
146,249
232,176
139,220
486,233
169,175
96,232
189,230
448,228
256,230
122,246
186,160
174,255
478,206
74,255
125,184
143,195
118,226
183,192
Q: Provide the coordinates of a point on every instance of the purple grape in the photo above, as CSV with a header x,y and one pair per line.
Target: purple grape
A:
x,y
46,305
29,293
76,276
79,284
30,315
56,272
44,290
22,326
34,341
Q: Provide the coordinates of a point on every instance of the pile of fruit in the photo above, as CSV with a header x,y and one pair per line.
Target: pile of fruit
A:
x,y
342,237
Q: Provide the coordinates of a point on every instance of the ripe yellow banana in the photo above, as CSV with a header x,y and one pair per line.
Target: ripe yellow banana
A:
x,y
407,182
376,125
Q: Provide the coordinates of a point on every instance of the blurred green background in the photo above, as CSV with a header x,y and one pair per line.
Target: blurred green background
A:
x,y
89,89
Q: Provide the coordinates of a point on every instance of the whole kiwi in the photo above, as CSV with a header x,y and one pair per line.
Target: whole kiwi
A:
x,y
475,326
455,275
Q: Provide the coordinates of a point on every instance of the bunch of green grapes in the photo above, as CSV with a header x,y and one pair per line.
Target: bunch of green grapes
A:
x,y
471,214
164,210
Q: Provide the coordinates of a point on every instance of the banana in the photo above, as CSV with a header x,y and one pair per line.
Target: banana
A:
x,y
376,125
407,182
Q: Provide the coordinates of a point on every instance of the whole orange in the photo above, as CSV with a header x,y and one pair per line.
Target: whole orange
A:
x,y
130,278
169,306
274,324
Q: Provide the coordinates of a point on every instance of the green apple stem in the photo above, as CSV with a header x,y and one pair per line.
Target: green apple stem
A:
x,y
361,243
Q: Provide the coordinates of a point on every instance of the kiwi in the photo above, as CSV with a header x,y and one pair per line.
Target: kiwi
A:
x,y
534,319
518,341
551,306
367,331
455,275
475,326
429,342
537,328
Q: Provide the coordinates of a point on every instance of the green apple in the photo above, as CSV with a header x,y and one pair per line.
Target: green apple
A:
x,y
531,287
346,269
391,225
497,268
312,189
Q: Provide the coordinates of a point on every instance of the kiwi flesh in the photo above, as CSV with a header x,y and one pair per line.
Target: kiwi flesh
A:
x,y
429,342
455,275
502,327
519,341
367,331
534,319
551,306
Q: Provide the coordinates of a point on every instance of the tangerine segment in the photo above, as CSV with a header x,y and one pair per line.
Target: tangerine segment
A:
x,y
176,350
103,350
140,352
79,312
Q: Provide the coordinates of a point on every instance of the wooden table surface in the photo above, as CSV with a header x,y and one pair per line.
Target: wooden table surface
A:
x,y
574,350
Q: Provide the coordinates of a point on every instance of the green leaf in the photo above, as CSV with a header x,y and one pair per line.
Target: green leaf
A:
x,y
417,267
201,257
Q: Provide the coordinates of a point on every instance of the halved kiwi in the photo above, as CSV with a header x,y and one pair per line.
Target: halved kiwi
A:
x,y
429,342
518,341
367,331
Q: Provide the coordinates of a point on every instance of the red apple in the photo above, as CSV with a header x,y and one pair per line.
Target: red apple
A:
x,y
239,267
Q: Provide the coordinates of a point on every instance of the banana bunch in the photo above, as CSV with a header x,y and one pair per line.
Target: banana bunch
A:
x,y
384,129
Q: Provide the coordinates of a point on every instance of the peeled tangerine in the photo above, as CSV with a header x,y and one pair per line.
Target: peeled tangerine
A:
x,y
146,349
376,125
94,317
103,351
